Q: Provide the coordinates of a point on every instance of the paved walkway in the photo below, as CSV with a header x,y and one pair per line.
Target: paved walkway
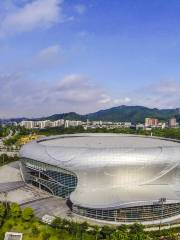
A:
x,y
51,206
55,206
10,173
15,188
9,186
156,228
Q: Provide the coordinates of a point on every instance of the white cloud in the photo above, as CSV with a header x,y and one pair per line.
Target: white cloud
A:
x,y
47,58
80,9
162,94
76,92
106,99
77,88
73,81
49,52
73,92
167,87
32,15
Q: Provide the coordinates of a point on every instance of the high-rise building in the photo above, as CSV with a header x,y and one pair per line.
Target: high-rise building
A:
x,y
172,122
45,124
151,122
27,124
58,123
70,123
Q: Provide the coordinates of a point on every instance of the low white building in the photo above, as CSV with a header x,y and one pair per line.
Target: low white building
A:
x,y
13,236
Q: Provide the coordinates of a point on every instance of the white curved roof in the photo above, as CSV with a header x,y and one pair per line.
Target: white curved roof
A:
x,y
106,141
113,169
97,150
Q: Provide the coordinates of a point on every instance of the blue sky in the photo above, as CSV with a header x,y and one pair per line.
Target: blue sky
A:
x,y
85,55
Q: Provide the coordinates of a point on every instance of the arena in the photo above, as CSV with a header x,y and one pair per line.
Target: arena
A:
x,y
111,178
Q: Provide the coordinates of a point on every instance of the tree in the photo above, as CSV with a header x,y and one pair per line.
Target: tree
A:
x,y
139,236
74,228
83,228
119,235
15,210
2,213
45,236
53,238
27,213
137,232
35,231
57,223
106,232
136,228
123,228
171,235
2,210
96,231
65,224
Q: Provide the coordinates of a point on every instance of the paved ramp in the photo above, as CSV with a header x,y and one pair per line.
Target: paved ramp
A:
x,y
9,186
51,205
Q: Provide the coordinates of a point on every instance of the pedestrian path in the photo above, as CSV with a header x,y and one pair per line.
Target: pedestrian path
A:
x,y
9,186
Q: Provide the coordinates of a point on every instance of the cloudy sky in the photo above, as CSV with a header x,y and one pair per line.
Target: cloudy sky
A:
x,y
85,55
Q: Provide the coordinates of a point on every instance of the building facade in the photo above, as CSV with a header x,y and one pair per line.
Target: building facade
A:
x,y
55,180
151,122
172,122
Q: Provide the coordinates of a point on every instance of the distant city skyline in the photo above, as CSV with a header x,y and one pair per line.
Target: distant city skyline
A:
x,y
61,56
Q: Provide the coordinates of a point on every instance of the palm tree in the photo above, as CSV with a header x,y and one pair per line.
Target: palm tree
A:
x,y
107,231
83,228
123,228
73,228
136,228
119,235
57,223
96,231
65,224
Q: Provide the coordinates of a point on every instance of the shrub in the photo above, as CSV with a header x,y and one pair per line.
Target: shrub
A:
x,y
2,210
35,231
15,210
27,213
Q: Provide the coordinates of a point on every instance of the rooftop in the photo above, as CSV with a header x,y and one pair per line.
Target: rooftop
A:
x,y
77,151
107,141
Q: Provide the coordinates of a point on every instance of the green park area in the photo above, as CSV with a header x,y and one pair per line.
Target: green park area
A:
x,y
15,219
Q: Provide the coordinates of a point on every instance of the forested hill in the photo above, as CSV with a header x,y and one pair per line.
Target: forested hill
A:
x,y
122,113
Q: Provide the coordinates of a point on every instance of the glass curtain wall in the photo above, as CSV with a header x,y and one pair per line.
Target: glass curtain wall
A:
x,y
131,214
55,180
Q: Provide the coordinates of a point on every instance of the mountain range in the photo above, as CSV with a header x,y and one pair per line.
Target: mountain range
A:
x,y
134,114
120,114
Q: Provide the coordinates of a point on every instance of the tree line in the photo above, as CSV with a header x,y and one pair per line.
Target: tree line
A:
x,y
15,218
173,133
5,159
